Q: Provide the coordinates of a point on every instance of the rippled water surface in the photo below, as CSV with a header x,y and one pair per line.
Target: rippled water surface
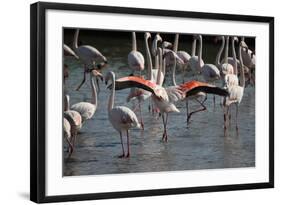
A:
x,y
200,145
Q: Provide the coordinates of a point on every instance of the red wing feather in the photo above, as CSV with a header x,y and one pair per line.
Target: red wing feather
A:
x,y
135,81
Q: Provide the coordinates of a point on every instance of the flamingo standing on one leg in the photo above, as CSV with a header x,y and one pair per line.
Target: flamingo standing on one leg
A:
x,y
135,58
88,55
88,109
122,118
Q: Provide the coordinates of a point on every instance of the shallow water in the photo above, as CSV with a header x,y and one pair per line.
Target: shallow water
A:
x,y
200,145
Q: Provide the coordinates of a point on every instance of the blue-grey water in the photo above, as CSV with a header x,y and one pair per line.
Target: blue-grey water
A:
x,y
200,145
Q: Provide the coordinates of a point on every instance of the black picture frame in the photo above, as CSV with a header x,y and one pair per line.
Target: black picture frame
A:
x,y
38,101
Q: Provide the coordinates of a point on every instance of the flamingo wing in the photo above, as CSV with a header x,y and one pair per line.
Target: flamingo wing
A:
x,y
194,87
134,81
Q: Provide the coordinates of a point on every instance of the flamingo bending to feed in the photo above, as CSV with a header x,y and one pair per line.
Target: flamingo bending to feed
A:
x,y
122,118
235,93
75,120
135,58
88,55
88,109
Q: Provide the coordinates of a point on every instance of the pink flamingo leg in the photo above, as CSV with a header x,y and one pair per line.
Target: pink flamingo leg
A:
x,y
128,145
121,139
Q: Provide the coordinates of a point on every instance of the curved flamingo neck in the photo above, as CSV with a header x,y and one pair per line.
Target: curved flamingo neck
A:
x,y
176,43
94,92
75,40
149,61
193,52
226,50
112,95
134,41
241,67
218,63
234,55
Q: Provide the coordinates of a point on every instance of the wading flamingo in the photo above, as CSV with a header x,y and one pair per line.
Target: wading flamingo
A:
x,y
88,55
122,118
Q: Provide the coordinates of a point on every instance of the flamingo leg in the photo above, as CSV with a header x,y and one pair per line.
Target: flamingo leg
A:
x,y
142,126
187,111
166,137
199,110
183,67
237,110
128,145
214,100
121,139
225,120
70,147
84,79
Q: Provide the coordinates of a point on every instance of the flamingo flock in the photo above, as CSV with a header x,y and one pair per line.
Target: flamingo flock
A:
x,y
163,95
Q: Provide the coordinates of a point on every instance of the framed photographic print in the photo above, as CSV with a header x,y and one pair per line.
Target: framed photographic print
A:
x,y
129,102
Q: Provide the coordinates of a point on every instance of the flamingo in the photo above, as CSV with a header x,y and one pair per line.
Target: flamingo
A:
x,y
88,109
135,58
88,55
75,120
122,118
235,92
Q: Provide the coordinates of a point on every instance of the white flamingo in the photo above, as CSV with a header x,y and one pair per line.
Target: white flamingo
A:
x,y
88,55
122,118
135,58
155,53
88,109
236,93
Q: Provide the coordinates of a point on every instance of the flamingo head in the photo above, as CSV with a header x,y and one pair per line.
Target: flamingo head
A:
x,y
147,35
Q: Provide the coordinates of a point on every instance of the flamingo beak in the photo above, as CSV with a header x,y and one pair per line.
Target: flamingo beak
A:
x,y
97,74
